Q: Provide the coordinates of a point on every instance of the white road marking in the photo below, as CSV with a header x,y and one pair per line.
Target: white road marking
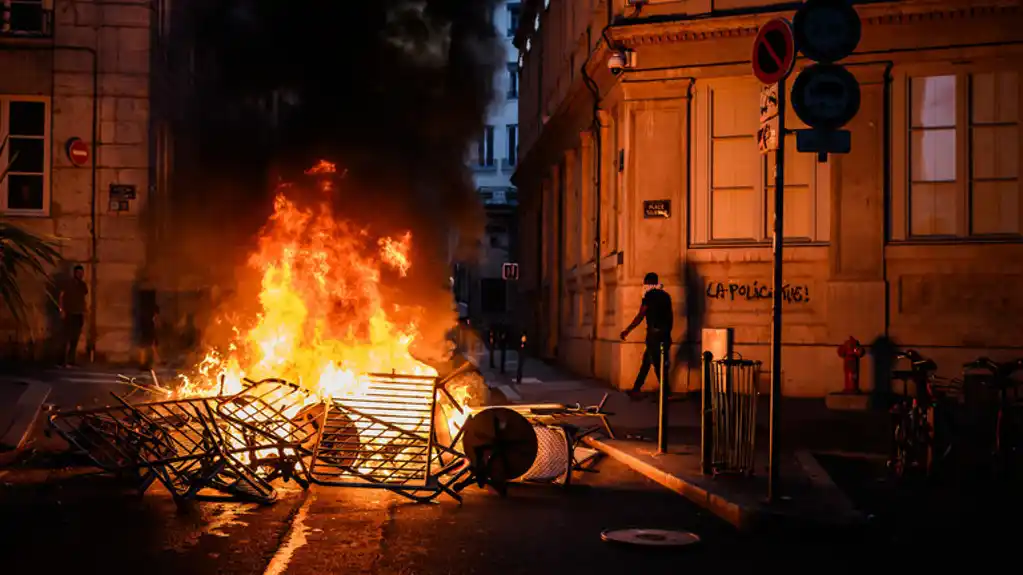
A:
x,y
510,393
296,538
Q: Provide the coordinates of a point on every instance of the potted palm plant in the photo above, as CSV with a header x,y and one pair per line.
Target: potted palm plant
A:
x,y
22,253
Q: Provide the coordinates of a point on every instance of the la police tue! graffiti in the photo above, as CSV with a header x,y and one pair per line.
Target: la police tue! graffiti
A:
x,y
757,291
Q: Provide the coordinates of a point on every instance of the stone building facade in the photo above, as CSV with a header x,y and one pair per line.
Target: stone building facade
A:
x,y
480,287
914,237
79,69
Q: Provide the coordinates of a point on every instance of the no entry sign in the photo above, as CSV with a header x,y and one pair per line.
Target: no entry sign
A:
x,y
774,51
78,152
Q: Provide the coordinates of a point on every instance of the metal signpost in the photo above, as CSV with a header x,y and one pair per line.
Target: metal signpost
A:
x,y
824,96
774,54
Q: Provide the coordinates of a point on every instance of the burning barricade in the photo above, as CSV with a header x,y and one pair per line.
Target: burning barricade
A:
x,y
321,387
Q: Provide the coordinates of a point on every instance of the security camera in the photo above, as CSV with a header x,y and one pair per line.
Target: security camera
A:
x,y
619,60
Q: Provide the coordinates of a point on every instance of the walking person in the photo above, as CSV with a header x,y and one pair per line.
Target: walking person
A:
x,y
72,312
656,310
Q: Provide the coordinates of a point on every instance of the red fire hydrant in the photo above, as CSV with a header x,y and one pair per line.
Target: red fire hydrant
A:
x,y
851,351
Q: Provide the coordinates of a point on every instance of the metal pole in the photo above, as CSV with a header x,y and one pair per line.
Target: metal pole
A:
x,y
522,359
662,424
706,421
504,347
491,334
776,318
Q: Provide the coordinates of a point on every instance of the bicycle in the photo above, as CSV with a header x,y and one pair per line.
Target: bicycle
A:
x,y
913,417
1000,435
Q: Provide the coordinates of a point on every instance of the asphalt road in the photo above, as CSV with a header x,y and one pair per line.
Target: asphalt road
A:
x,y
88,525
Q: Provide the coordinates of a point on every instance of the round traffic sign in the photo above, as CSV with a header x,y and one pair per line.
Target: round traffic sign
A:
x,y
78,152
774,51
826,96
827,30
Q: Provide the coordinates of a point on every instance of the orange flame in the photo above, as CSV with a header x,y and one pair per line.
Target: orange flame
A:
x,y
323,320
396,253
322,167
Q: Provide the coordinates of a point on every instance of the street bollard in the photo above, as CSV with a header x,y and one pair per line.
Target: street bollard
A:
x,y
490,333
522,359
662,424
504,348
706,421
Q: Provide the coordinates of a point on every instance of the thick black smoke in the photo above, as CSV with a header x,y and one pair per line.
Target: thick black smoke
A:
x,y
393,91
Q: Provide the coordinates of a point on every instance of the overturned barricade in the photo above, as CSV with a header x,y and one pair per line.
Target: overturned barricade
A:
x,y
198,448
403,433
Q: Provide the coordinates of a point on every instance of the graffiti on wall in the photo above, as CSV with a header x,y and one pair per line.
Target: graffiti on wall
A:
x,y
756,291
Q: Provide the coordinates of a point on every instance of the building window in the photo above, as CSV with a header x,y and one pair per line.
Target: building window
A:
x,y
513,81
485,151
733,199
25,17
962,148
514,12
513,144
26,187
493,295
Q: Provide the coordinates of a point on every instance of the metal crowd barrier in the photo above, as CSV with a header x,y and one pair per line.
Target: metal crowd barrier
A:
x,y
178,442
386,436
730,392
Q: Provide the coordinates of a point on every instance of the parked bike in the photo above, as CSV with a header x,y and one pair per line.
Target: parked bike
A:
x,y
915,435
994,398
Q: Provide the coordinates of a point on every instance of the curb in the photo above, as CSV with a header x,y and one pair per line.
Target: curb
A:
x,y
742,518
25,415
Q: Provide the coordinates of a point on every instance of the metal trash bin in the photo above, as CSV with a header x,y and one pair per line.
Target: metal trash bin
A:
x,y
731,385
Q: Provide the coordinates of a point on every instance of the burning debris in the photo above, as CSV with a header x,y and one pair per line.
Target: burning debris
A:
x,y
403,433
321,385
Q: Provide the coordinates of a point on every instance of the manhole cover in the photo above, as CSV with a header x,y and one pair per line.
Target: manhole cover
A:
x,y
650,537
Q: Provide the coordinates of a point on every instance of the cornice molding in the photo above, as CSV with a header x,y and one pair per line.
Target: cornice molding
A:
x,y
713,28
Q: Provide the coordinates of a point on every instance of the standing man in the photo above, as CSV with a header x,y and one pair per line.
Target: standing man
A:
x,y
656,310
72,312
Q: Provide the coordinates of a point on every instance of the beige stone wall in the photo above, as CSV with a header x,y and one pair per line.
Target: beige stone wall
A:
x,y
880,245
120,34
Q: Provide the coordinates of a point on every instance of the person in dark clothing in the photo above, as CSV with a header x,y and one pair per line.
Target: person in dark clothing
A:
x,y
656,310
149,355
72,312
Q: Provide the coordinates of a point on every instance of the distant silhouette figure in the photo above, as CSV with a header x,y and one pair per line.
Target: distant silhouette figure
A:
x,y
73,306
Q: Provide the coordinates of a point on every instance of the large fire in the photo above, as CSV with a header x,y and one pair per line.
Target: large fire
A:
x,y
323,321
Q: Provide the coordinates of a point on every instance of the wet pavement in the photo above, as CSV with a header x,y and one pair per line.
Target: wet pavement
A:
x,y
88,525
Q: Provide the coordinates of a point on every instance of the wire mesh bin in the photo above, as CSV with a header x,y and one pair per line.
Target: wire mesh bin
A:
x,y
732,386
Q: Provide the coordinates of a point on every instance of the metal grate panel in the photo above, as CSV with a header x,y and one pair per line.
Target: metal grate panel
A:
x,y
553,454
179,442
382,436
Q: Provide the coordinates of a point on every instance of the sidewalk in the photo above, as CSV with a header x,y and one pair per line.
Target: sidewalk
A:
x,y
21,406
807,493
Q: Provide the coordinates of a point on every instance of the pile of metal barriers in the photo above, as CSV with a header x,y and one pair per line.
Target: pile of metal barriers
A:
x,y
393,435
